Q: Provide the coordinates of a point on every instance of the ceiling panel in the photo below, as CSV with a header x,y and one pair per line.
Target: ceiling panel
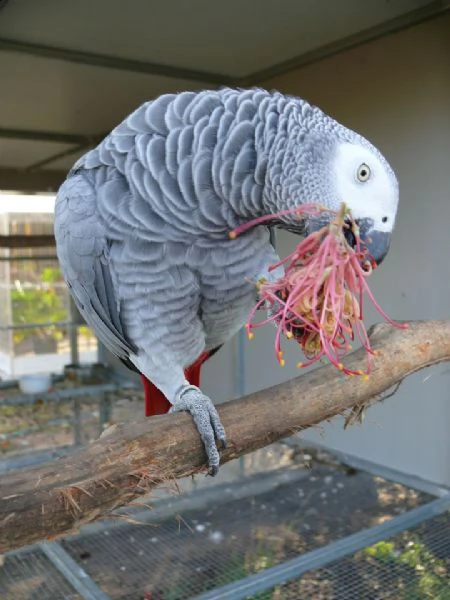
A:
x,y
51,95
21,154
65,163
236,37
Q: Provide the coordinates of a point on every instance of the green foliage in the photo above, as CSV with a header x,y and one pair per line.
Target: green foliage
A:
x,y
383,551
51,275
431,577
38,303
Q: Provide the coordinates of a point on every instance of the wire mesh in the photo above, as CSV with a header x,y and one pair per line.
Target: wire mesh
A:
x,y
45,425
29,575
35,317
414,565
199,551
40,424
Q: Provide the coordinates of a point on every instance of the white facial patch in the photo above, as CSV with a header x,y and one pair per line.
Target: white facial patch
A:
x,y
374,196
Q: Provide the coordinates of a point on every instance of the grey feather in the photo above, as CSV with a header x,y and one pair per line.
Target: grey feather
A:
x,y
83,255
142,221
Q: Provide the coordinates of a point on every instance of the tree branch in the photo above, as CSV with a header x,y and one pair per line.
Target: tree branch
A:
x,y
130,459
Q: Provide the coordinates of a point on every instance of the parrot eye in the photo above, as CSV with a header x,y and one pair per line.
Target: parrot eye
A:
x,y
363,172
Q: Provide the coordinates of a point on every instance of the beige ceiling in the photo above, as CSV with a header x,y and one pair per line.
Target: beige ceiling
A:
x,y
70,70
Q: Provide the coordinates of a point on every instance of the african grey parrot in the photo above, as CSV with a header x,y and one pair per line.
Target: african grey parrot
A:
x,y
142,224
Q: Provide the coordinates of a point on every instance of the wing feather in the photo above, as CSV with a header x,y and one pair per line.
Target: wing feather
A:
x,y
83,255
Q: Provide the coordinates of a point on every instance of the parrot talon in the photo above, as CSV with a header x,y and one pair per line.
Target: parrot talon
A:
x,y
206,418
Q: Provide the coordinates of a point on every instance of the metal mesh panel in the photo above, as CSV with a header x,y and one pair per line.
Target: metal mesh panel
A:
x,y
36,426
178,559
31,576
35,314
41,424
414,565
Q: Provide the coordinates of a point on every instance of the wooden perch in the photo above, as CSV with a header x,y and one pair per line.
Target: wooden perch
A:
x,y
130,459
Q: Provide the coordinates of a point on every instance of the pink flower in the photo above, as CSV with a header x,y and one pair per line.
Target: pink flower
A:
x,y
319,299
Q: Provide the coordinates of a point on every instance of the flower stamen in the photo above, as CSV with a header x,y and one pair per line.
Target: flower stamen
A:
x,y
319,300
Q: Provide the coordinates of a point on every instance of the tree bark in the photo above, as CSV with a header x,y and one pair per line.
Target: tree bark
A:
x,y
131,459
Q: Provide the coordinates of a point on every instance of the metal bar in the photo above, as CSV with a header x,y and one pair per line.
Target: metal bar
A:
x,y
105,408
317,559
26,258
405,479
103,355
71,570
420,15
113,62
34,458
48,136
50,159
68,394
35,325
31,181
73,333
27,241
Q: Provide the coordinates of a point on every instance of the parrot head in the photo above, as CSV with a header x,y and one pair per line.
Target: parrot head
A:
x,y
338,166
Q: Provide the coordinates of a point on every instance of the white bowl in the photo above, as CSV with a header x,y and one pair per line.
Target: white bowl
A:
x,y
35,384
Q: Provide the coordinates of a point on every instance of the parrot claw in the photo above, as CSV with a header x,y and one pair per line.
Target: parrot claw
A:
x,y
206,418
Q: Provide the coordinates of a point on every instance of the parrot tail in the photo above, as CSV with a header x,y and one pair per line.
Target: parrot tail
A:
x,y
155,401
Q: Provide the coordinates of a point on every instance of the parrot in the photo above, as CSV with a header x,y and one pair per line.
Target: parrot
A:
x,y
142,226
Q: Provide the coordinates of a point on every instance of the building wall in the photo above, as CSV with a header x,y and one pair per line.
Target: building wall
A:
x,y
396,92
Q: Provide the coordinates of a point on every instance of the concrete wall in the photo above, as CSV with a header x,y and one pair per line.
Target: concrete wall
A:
x,y
396,92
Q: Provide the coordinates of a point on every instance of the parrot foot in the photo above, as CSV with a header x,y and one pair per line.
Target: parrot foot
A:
x,y
206,418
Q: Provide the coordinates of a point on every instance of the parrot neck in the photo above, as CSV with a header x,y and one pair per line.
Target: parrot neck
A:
x,y
247,183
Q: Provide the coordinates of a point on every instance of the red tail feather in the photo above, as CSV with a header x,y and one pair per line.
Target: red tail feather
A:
x,y
192,373
155,401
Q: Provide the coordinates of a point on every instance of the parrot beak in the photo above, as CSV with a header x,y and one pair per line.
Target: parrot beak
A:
x,y
376,242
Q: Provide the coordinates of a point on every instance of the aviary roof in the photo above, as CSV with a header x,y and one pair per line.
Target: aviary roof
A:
x,y
70,71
